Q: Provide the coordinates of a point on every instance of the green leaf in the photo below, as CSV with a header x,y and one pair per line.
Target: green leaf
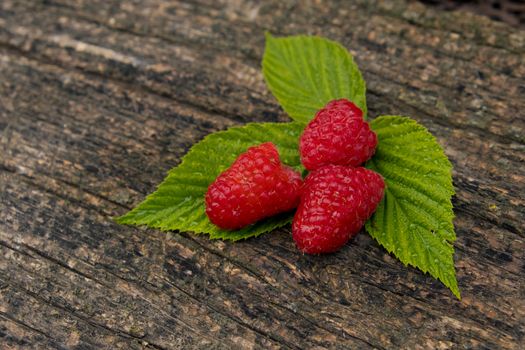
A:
x,y
178,202
304,73
414,219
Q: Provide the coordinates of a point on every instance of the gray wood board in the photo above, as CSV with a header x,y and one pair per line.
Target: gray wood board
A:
x,y
98,99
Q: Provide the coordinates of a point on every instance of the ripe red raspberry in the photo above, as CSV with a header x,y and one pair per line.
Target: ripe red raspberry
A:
x,y
256,186
335,204
337,135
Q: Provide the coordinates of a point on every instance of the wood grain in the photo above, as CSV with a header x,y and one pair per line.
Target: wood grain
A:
x,y
98,99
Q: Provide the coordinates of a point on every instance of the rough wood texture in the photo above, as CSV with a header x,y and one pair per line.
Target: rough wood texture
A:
x,y
98,99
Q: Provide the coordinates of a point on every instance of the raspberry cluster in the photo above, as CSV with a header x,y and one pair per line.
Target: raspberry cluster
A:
x,y
333,202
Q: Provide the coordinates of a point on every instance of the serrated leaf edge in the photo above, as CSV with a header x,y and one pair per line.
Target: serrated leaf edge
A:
x,y
386,122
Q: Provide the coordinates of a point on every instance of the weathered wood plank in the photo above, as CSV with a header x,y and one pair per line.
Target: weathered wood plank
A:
x,y
99,99
80,155
435,68
433,114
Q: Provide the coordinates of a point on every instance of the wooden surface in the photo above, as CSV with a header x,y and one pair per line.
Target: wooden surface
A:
x,y
98,99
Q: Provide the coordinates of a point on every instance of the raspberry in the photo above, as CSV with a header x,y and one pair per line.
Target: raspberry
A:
x,y
337,135
256,186
335,203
